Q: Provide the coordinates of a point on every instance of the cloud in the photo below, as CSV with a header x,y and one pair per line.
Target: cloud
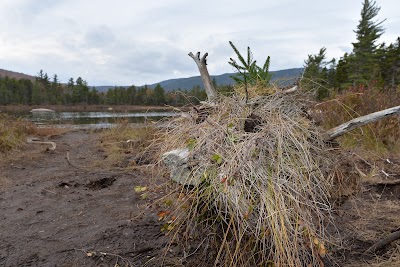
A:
x,y
137,42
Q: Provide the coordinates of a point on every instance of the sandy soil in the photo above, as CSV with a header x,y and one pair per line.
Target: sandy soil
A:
x,y
56,214
53,214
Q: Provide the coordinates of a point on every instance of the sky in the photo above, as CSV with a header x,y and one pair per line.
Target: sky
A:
x,y
132,42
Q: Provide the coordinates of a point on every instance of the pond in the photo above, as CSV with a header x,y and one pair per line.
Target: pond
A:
x,y
101,119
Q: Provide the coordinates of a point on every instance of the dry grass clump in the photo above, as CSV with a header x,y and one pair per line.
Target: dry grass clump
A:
x,y
125,139
13,132
263,198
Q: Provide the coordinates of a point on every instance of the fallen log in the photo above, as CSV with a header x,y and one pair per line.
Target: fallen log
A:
x,y
358,122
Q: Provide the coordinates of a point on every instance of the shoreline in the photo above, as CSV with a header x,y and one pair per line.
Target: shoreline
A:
x,y
82,108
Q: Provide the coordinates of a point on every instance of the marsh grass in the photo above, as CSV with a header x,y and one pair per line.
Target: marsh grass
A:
x,y
126,138
13,132
379,138
263,199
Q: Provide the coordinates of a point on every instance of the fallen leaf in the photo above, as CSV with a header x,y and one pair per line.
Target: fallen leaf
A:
x,y
162,214
140,188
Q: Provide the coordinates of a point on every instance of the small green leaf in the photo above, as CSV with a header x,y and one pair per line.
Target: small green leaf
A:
x,y
191,143
217,158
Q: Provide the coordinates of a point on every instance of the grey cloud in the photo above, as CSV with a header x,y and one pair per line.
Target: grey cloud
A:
x,y
99,36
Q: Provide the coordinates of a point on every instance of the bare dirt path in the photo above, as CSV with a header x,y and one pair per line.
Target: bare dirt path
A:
x,y
54,214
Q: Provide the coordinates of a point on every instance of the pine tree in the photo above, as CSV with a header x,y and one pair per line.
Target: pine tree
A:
x,y
317,77
363,69
391,65
159,95
249,71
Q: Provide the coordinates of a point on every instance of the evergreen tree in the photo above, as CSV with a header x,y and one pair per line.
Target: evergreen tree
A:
x,y
159,95
4,93
249,71
316,75
364,67
131,94
37,95
391,65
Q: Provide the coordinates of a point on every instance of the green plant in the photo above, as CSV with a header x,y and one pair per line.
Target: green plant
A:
x,y
249,71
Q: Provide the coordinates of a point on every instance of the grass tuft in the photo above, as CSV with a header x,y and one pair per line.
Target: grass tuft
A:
x,y
125,139
263,198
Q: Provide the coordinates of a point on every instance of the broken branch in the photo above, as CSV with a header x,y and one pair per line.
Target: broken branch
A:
x,y
384,242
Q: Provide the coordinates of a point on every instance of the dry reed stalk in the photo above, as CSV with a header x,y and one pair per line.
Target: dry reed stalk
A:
x,y
265,193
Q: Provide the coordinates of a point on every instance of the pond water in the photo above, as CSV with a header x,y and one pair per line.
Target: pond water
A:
x,y
93,119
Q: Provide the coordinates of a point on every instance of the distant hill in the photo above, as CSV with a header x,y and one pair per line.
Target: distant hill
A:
x,y
16,75
281,77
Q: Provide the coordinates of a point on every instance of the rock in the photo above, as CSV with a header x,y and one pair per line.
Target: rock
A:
x,y
177,163
42,110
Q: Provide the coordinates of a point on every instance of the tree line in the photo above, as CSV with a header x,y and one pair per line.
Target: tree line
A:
x,y
369,65
44,90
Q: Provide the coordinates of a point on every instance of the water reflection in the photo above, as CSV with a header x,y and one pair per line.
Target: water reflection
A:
x,y
96,119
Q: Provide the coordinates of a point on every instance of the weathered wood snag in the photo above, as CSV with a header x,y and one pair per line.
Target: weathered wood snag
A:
x,y
360,121
205,76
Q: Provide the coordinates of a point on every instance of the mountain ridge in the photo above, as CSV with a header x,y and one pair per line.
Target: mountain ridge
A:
x,y
281,77
16,75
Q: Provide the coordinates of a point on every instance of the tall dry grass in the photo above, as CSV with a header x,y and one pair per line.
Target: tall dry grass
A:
x,y
13,132
263,196
126,138
381,137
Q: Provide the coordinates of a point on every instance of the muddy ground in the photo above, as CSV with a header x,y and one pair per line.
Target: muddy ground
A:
x,y
83,213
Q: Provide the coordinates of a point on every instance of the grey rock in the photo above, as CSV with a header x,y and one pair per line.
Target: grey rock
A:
x,y
177,163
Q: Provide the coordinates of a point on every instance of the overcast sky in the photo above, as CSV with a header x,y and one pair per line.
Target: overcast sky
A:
x,y
124,42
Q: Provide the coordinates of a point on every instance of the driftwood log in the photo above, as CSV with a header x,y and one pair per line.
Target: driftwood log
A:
x,y
360,121
33,140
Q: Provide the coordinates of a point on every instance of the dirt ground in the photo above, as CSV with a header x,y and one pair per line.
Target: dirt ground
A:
x,y
54,214
86,214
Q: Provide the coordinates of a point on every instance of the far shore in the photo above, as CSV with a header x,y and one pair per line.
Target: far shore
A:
x,y
83,108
